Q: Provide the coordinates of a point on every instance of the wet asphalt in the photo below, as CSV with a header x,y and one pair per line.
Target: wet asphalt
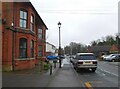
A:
x,y
65,77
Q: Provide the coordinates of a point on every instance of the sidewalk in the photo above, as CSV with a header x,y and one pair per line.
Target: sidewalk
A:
x,y
27,78
65,77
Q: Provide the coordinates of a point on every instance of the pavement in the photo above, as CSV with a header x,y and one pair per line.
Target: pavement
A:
x,y
60,77
65,77
28,78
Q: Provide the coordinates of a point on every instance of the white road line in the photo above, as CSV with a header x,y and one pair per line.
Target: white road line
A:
x,y
108,72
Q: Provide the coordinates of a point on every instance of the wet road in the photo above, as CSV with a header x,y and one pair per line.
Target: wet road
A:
x,y
106,75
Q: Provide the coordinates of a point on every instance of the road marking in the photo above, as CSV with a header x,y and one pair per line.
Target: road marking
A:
x,y
88,85
109,72
103,74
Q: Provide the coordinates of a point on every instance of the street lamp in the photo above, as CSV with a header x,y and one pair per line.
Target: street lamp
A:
x,y
59,51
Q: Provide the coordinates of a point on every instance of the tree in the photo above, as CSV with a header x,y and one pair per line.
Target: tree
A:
x,y
93,43
108,40
67,50
117,40
75,48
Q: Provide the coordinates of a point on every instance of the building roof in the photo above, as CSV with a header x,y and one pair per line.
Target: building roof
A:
x,y
99,48
37,14
50,44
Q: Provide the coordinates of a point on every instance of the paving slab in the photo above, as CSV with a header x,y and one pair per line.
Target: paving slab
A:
x,y
65,77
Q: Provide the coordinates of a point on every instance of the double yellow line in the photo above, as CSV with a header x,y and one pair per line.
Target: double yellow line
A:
x,y
88,85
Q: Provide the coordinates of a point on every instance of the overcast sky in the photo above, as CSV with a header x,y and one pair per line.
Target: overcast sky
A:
x,y
82,20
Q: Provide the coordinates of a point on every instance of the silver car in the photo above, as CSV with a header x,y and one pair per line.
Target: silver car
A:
x,y
109,57
85,61
113,57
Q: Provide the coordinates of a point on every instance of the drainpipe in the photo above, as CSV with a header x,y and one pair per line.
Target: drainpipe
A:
x,y
13,30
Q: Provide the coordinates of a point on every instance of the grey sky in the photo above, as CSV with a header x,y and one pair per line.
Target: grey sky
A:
x,y
82,20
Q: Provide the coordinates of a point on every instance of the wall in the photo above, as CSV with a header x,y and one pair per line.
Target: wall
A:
x,y
7,14
11,39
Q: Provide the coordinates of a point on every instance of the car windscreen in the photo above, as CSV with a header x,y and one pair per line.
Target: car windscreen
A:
x,y
87,57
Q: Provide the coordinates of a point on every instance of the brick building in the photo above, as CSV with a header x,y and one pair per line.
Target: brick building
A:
x,y
23,36
105,49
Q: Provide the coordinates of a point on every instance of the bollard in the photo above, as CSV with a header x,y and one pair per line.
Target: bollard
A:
x,y
50,69
54,63
59,63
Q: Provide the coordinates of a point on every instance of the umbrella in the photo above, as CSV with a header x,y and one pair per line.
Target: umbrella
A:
x,y
51,57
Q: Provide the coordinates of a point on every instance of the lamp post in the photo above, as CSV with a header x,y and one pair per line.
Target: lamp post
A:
x,y
59,51
118,40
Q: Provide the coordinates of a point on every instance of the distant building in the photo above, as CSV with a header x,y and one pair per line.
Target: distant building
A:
x,y
23,36
106,49
115,49
98,50
50,49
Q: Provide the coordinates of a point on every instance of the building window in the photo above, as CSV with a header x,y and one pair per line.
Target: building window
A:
x,y
40,49
23,48
32,23
40,33
32,48
23,19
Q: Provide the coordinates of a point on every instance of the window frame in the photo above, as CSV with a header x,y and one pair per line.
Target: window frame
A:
x,y
40,51
40,33
32,48
23,18
32,22
23,48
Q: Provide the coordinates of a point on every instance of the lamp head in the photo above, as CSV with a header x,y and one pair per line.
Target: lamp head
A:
x,y
59,24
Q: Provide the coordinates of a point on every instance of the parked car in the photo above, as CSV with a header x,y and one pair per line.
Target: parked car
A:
x,y
103,57
72,58
85,61
115,57
109,57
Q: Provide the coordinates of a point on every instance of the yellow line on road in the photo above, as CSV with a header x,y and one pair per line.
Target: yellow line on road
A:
x,y
88,85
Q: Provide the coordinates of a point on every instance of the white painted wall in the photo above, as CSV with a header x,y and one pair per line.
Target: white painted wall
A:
x,y
50,48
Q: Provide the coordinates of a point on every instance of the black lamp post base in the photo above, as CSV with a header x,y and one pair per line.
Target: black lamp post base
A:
x,y
59,63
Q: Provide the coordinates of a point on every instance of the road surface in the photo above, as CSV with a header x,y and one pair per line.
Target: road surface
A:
x,y
106,75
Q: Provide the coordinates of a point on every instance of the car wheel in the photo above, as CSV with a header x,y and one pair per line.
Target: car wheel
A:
x,y
77,69
113,60
93,69
74,67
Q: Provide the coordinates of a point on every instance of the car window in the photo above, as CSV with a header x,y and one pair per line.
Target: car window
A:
x,y
87,57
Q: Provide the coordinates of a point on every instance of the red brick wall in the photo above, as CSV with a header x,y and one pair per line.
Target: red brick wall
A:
x,y
8,37
114,48
24,64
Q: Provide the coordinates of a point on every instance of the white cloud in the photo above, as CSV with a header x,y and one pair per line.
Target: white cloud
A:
x,y
82,20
